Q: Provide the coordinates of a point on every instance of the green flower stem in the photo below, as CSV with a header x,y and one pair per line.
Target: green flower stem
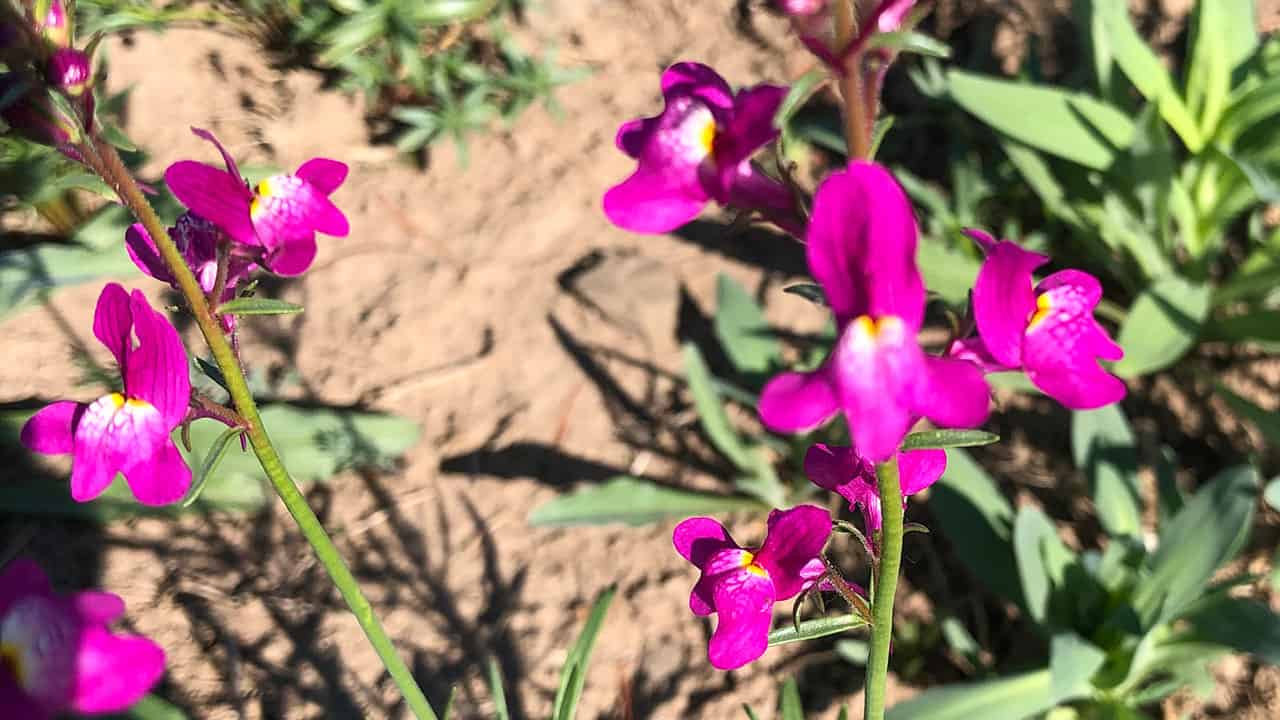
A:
x,y
885,589
103,158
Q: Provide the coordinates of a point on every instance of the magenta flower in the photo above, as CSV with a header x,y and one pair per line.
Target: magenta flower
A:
x,y
741,586
842,471
698,149
814,23
197,239
1048,330
56,654
125,432
281,216
862,250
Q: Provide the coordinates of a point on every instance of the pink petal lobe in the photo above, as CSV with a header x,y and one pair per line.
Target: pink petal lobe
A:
x,y
1004,298
842,471
97,608
112,434
292,257
700,81
796,538
160,479
798,402
227,160
878,379
918,469
1062,349
744,607
113,322
114,672
973,350
698,538
214,195
143,252
323,174
50,430
953,393
157,370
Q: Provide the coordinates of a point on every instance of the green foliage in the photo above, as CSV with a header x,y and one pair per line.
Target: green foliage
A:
x,y
635,501
1148,173
1126,626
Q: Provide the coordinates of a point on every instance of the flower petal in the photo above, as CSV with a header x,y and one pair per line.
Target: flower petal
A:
x,y
841,470
113,322
97,608
142,250
972,349
157,371
50,430
698,538
323,174
160,478
21,578
798,402
700,81
862,246
112,433
227,160
748,129
666,190
878,373
292,257
952,393
288,207
918,469
632,133
796,537
744,605
1062,349
113,672
1003,299
215,195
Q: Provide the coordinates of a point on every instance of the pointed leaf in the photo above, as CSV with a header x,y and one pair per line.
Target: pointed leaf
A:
x,y
1013,698
212,457
1162,325
948,439
1072,661
573,675
634,501
742,330
1106,452
711,412
789,707
816,628
258,306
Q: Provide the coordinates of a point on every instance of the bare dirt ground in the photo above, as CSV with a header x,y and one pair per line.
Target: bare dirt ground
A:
x,y
493,304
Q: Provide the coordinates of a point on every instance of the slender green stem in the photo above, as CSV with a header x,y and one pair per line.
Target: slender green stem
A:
x,y
856,138
885,589
103,158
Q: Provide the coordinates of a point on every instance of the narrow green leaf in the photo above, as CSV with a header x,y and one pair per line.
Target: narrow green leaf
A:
x,y
1144,69
154,707
1105,450
1268,423
1072,661
1272,493
1069,125
1013,698
27,272
448,703
1209,67
948,439
751,714
1255,106
854,651
978,520
444,12
258,306
912,42
711,412
789,707
1218,517
809,291
797,96
574,673
742,330
815,628
1255,325
500,711
212,457
1163,324
1030,528
634,501
844,713
1241,624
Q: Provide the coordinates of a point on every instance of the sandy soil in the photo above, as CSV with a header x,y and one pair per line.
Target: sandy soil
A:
x,y
493,304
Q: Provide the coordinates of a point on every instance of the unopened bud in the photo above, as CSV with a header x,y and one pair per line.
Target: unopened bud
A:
x,y
33,116
54,23
69,71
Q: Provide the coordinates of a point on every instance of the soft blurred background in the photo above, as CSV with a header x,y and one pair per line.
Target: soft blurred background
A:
x,y
485,343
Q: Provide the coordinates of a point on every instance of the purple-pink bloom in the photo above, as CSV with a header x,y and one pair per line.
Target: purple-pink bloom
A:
x,y
862,250
281,215
741,585
197,239
699,149
57,655
126,432
1048,329
842,471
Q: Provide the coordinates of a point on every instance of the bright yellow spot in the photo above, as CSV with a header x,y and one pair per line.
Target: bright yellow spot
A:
x,y
11,659
872,328
117,399
264,190
749,563
136,404
707,138
1044,305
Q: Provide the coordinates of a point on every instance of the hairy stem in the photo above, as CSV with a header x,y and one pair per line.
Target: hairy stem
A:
x,y
886,588
856,138
103,159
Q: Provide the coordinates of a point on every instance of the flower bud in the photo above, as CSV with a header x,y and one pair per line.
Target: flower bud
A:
x,y
69,71
33,116
55,24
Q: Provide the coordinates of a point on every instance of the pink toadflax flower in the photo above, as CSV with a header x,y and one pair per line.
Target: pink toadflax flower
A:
x,y
125,432
281,216
1048,329
699,149
842,471
861,249
56,654
741,586
197,239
